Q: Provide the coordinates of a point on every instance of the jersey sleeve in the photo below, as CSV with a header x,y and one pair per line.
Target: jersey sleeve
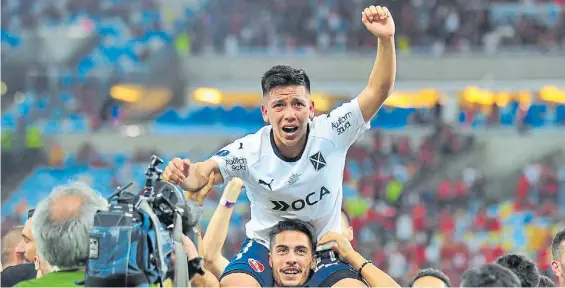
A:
x,y
233,161
344,124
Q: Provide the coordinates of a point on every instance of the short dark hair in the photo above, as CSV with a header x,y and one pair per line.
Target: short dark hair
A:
x,y
557,245
346,215
431,272
294,225
284,75
545,281
490,275
524,268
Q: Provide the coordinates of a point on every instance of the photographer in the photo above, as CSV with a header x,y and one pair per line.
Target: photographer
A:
x,y
60,226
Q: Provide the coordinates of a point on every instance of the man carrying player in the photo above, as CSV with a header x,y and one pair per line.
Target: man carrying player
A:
x,y
293,168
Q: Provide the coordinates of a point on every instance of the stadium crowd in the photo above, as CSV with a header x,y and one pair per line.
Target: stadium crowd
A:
x,y
333,26
401,229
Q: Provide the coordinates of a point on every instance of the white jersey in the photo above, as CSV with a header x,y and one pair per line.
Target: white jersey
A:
x,y
308,187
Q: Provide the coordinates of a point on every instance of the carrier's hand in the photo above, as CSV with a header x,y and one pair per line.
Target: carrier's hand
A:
x,y
378,21
342,246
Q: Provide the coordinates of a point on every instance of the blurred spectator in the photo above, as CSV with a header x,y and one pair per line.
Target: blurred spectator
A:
x,y
490,275
431,278
57,156
524,268
546,282
9,243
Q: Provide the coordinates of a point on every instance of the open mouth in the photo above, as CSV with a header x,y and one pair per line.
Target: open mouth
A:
x,y
291,271
290,129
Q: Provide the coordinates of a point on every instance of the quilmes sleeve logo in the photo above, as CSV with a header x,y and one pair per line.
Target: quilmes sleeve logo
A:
x,y
222,153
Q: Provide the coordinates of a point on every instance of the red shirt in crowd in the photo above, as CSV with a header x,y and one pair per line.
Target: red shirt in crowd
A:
x,y
444,190
446,224
419,217
460,189
522,187
481,220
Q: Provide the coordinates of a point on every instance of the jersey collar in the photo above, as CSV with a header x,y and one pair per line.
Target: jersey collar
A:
x,y
278,152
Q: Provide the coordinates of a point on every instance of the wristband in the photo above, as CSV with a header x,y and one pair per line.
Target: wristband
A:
x,y
227,203
363,265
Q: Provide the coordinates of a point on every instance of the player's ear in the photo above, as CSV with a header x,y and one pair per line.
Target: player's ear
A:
x,y
313,263
36,263
270,260
264,111
312,110
556,268
350,234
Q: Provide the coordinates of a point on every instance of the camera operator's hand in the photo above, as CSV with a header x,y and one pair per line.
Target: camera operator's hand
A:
x,y
189,247
202,193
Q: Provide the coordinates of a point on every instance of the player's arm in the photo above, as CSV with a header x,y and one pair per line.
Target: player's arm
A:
x,y
217,230
374,276
229,162
381,81
192,177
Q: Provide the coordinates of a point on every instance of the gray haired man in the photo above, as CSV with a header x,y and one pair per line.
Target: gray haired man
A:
x,y
60,226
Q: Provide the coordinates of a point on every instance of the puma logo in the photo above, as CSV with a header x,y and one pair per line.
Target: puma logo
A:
x,y
261,182
240,146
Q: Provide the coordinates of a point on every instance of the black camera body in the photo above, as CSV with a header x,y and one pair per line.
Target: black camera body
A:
x,y
133,243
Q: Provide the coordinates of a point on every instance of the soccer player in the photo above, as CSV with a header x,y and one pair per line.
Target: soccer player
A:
x,y
292,257
293,168
217,232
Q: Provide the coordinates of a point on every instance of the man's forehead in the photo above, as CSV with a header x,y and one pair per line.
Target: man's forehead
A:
x,y
27,229
292,239
429,281
287,91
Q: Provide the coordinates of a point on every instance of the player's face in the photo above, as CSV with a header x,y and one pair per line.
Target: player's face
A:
x,y
291,259
288,110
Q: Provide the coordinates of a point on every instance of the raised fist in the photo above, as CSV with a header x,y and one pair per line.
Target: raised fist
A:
x,y
378,20
177,171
